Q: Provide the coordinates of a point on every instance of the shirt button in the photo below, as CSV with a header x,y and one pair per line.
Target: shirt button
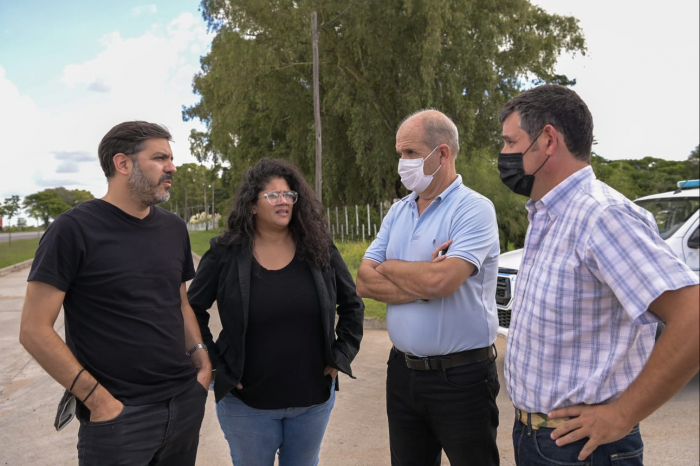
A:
x,y
529,262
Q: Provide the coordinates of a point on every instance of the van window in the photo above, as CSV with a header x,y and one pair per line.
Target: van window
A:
x,y
670,213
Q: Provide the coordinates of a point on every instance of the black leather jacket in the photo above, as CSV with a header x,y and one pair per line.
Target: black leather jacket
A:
x,y
224,275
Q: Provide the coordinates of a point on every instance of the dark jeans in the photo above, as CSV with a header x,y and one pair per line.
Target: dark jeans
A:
x,y
536,448
454,410
165,433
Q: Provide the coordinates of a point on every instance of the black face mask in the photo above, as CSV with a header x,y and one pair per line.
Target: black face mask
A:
x,y
513,174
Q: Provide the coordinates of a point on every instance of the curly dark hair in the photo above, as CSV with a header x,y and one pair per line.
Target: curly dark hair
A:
x,y
308,226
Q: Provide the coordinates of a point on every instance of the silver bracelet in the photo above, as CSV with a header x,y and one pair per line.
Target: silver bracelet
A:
x,y
195,348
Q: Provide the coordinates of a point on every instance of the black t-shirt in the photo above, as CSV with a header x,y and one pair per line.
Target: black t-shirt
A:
x,y
122,278
284,355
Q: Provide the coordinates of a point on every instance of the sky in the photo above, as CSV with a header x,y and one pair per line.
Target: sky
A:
x,y
71,70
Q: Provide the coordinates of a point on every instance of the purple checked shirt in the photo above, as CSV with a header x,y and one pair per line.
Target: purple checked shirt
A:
x,y
581,330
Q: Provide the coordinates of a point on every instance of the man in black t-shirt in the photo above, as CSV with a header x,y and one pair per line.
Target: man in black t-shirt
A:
x,y
133,356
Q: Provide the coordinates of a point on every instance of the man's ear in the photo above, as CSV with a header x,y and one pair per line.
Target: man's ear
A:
x,y
122,163
553,141
445,151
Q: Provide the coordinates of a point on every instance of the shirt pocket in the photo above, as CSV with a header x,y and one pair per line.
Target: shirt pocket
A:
x,y
556,290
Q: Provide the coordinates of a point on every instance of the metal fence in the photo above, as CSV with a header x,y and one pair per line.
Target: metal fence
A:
x,y
358,222
345,223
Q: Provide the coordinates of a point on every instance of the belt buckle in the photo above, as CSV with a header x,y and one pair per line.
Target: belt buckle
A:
x,y
427,364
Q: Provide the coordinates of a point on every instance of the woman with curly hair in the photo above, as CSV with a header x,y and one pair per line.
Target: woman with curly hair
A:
x,y
278,281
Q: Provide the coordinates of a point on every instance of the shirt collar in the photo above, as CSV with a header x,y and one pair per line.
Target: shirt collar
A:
x,y
440,197
555,201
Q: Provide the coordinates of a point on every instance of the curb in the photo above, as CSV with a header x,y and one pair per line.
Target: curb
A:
x,y
370,323
14,268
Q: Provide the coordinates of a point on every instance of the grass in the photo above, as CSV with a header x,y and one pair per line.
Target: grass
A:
x,y
20,251
24,249
200,240
352,255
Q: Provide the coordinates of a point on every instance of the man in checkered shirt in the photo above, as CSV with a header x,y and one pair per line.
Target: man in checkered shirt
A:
x,y
581,365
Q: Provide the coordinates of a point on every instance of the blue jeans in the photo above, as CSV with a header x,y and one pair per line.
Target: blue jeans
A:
x,y
536,448
255,435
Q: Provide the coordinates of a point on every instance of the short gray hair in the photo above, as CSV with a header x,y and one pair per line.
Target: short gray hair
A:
x,y
439,129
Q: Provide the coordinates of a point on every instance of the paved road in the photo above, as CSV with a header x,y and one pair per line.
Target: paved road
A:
x,y
4,237
357,434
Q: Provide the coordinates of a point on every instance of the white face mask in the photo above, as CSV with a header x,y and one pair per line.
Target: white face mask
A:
x,y
412,176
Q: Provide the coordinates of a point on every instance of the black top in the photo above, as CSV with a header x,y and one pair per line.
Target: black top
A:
x,y
224,275
284,356
122,278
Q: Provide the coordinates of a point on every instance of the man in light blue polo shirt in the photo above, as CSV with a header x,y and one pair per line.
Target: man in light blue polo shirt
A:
x,y
441,311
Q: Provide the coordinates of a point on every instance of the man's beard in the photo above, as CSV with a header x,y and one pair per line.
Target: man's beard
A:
x,y
143,191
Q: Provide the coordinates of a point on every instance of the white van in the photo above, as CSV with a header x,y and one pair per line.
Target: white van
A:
x,y
676,214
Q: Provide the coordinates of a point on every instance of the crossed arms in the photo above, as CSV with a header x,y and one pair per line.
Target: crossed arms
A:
x,y
399,282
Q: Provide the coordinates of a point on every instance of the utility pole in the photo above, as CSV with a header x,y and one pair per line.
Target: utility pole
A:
x,y
317,107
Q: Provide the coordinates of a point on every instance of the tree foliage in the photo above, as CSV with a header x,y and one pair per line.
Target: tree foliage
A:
x,y
73,197
10,208
694,162
641,177
190,183
52,202
379,62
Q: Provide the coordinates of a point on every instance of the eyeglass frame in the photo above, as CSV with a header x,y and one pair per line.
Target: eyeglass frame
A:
x,y
282,195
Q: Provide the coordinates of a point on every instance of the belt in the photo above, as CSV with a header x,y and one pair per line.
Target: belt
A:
x,y
539,420
444,362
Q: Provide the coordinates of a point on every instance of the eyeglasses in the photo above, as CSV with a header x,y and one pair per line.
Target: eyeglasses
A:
x,y
275,197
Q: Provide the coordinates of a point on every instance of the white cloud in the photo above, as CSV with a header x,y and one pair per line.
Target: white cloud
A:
x,y
74,156
141,9
68,166
99,86
640,76
141,78
57,182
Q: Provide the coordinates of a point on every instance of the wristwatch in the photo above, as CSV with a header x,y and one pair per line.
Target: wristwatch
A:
x,y
195,348
421,300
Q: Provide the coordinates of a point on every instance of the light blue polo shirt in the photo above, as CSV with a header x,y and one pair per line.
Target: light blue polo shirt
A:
x,y
468,318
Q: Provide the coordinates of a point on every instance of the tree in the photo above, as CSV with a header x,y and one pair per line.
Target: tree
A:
x,y
73,197
694,163
641,177
380,61
52,202
10,209
45,205
188,190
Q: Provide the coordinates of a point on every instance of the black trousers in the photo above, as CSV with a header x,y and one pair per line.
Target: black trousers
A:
x,y
454,410
165,433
